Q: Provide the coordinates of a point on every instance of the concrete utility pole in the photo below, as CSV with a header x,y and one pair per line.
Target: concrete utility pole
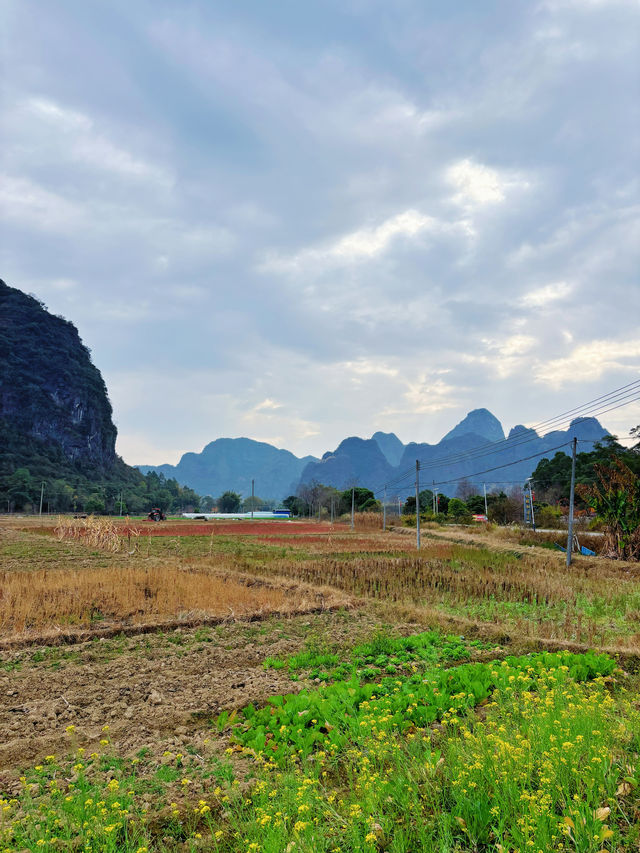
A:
x,y
41,496
433,495
252,496
384,509
399,506
120,501
486,511
418,504
332,499
573,485
353,506
533,517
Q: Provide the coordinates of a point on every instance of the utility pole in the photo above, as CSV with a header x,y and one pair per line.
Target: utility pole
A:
x,y
252,496
433,495
121,502
384,509
399,506
573,485
353,506
533,517
486,511
41,496
418,504
332,499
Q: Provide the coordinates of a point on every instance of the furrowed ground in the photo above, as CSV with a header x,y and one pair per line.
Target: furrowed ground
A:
x,y
287,686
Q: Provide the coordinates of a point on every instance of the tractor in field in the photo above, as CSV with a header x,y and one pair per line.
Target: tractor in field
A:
x,y
156,514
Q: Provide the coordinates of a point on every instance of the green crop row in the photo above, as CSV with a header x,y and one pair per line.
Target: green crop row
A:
x,y
382,655
336,715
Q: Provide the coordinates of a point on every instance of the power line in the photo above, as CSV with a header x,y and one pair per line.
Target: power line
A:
x,y
489,448
493,447
515,441
498,467
636,382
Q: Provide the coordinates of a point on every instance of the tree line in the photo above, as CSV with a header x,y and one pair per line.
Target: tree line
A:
x,y
133,495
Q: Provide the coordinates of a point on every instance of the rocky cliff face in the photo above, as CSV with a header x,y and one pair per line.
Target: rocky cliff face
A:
x,y
390,445
479,422
50,392
355,462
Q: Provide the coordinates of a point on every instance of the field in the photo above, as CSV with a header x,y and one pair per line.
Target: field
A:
x,y
283,686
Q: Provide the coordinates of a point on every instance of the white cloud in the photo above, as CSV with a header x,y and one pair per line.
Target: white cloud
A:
x,y
515,345
361,245
428,396
541,297
267,405
367,367
477,184
590,361
503,357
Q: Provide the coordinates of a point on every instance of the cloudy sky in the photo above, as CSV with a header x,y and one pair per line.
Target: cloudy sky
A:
x,y
298,221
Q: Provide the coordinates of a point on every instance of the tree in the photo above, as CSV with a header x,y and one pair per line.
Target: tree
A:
x,y
475,504
95,504
426,503
252,503
458,509
615,497
295,505
21,488
363,500
552,477
503,509
207,503
229,502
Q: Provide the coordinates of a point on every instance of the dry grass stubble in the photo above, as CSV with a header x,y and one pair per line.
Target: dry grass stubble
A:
x,y
33,601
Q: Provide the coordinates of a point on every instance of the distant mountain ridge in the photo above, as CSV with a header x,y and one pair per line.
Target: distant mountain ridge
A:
x,y
231,463
476,445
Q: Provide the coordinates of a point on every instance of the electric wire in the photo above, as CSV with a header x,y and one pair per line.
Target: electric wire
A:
x,y
490,448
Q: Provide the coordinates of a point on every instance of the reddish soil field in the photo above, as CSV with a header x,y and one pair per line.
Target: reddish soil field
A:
x,y
349,542
238,528
242,528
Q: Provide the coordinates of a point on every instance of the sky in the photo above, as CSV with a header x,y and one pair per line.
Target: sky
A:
x,y
302,221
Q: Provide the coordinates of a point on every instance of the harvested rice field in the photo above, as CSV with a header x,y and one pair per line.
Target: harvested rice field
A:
x,y
302,687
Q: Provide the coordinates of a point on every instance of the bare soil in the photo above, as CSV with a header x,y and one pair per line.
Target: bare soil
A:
x,y
151,688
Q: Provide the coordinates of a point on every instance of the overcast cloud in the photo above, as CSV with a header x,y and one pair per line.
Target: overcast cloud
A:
x,y
301,221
